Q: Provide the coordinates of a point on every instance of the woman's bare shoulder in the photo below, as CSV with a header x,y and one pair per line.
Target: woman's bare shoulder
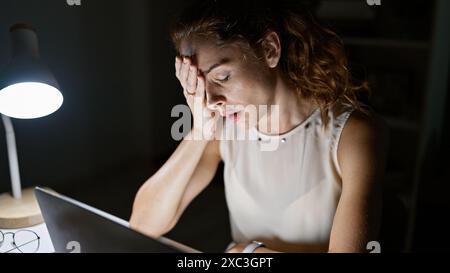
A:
x,y
364,130
366,123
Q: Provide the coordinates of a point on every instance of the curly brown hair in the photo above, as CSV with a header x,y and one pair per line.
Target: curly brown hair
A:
x,y
313,57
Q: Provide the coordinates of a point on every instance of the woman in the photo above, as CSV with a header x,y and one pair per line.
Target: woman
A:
x,y
319,190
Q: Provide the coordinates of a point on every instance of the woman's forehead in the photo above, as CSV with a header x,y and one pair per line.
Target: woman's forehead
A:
x,y
207,53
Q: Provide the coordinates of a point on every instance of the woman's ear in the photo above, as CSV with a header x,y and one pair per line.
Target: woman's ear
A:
x,y
271,46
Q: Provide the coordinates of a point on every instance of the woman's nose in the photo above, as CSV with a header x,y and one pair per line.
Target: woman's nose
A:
x,y
214,100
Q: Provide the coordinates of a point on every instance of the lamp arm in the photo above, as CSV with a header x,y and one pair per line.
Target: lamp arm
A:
x,y
12,156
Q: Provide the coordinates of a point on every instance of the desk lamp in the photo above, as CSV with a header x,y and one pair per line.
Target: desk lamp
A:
x,y
28,90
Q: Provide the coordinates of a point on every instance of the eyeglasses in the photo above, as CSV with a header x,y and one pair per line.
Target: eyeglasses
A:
x,y
25,241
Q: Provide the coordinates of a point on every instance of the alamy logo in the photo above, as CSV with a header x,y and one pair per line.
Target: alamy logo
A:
x,y
74,246
73,2
374,2
374,247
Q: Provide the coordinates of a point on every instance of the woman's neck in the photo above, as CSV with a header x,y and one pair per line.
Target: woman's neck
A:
x,y
292,111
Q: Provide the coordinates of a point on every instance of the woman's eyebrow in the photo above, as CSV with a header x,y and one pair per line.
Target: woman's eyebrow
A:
x,y
214,66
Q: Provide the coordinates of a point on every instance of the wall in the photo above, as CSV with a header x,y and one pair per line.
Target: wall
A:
x,y
111,60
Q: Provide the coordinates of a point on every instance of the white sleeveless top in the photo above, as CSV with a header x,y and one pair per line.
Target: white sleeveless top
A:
x,y
288,195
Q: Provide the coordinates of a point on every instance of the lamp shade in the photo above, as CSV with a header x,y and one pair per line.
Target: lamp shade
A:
x,y
27,87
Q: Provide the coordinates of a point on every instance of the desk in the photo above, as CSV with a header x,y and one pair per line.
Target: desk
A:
x,y
45,246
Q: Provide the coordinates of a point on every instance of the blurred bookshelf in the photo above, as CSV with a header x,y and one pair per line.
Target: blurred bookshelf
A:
x,y
395,47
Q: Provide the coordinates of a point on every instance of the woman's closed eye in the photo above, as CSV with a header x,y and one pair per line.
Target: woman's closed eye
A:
x,y
223,79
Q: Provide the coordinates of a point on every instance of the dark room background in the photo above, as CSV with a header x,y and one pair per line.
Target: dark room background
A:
x,y
114,62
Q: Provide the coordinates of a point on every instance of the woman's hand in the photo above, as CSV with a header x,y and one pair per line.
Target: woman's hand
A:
x,y
238,248
193,83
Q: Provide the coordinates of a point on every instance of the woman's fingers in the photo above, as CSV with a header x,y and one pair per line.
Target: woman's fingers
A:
x,y
178,62
192,80
185,72
189,77
200,91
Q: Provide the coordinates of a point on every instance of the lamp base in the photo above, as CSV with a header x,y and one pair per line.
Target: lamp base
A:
x,y
19,213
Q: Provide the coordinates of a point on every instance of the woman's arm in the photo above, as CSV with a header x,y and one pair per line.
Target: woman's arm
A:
x,y
303,248
163,198
362,153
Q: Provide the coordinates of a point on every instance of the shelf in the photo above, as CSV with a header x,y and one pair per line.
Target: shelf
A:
x,y
389,43
345,10
397,182
402,124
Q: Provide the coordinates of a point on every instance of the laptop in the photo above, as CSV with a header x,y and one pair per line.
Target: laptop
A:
x,y
77,227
